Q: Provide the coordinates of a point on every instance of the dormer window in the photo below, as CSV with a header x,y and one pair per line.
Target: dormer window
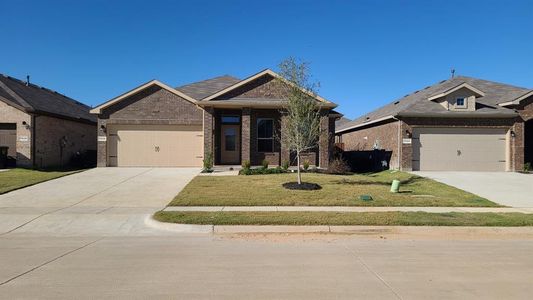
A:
x,y
460,102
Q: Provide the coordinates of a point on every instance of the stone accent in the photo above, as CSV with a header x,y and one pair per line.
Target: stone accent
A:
x,y
58,140
285,152
10,114
246,128
101,149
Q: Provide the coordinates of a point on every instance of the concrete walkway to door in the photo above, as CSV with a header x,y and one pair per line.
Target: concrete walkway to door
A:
x,y
506,188
101,201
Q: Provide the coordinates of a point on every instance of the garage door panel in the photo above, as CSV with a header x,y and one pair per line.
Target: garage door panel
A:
x,y
459,149
158,145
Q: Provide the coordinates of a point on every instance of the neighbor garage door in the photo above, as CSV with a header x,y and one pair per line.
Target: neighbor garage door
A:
x,y
155,145
8,138
459,149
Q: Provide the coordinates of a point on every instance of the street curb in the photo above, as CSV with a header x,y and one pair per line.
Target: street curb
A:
x,y
350,229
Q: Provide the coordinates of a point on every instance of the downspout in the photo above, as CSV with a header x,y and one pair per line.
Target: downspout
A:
x,y
33,142
398,155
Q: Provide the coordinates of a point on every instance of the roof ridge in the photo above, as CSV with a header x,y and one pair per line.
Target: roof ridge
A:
x,y
13,94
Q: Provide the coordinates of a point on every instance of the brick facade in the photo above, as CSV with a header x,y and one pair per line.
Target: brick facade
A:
x,y
153,105
10,114
58,140
47,141
384,135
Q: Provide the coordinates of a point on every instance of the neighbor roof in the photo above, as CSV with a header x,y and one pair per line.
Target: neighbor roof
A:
x,y
32,98
417,104
201,89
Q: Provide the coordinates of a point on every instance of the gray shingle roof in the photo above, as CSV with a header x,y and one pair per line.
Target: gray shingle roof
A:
x,y
33,98
205,88
417,103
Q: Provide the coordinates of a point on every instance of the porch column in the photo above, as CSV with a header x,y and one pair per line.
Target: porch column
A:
x,y
285,152
517,145
246,126
209,126
324,141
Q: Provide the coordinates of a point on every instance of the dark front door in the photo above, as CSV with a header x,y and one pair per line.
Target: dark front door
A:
x,y
231,144
8,138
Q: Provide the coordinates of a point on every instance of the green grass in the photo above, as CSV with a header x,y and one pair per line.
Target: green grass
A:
x,y
18,178
347,218
337,190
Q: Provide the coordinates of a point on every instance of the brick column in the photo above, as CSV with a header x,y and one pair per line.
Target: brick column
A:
x,y
246,126
209,127
285,152
517,143
101,157
406,155
324,141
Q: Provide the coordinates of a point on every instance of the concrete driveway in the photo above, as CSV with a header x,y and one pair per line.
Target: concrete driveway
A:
x,y
506,188
101,201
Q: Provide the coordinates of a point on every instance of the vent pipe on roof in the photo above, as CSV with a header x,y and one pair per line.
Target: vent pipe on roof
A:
x,y
27,80
453,73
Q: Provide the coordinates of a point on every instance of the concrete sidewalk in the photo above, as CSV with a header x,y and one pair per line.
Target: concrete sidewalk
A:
x,y
350,209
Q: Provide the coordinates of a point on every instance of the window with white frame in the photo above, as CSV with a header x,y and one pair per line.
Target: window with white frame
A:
x,y
460,102
265,135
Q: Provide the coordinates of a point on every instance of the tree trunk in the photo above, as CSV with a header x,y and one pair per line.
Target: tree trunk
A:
x,y
298,166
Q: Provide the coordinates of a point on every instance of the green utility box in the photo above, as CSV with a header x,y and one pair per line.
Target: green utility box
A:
x,y
395,186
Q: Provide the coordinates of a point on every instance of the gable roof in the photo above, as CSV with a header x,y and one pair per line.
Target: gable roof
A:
x,y
448,91
150,83
266,72
417,104
32,98
201,89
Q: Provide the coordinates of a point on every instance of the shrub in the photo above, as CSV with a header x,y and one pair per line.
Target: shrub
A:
x,y
527,167
264,163
208,163
262,171
338,166
246,165
285,165
306,165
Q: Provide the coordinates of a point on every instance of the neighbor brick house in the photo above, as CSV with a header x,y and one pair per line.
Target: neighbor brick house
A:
x,y
230,119
460,124
41,127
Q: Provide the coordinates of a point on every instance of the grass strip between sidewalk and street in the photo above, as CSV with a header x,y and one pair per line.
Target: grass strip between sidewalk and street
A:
x,y
346,218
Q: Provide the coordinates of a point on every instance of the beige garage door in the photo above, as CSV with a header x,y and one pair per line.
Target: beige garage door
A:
x,y
459,149
155,145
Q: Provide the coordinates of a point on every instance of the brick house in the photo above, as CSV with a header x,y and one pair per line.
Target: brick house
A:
x,y
460,124
41,127
230,119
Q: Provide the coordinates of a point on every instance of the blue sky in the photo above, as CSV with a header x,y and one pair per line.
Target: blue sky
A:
x,y
364,53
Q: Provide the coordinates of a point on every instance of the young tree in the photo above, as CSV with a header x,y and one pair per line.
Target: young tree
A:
x,y
301,129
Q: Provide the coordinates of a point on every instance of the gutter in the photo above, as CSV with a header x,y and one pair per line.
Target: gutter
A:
x,y
460,115
365,124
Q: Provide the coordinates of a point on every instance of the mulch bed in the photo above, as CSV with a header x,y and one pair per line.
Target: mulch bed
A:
x,y
304,186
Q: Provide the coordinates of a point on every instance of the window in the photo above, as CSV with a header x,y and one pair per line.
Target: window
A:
x,y
265,135
460,102
231,119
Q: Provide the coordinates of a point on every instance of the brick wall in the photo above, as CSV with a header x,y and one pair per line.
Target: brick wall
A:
x,y
57,140
265,87
385,134
9,114
152,105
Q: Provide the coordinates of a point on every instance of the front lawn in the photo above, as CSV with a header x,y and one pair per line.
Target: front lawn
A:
x,y
347,218
18,178
337,190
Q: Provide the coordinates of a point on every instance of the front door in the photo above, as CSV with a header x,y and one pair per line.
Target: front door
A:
x,y
231,144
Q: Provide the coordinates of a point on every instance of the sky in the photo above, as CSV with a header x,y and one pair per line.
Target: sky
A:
x,y
364,53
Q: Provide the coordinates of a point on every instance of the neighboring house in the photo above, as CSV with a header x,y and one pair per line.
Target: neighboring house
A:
x,y
460,124
41,127
231,119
